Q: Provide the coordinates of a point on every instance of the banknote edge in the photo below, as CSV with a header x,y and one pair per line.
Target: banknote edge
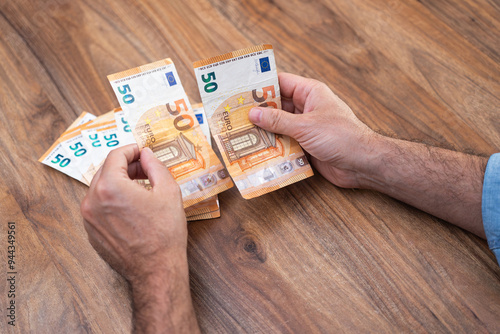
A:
x,y
306,174
139,69
71,129
232,54
200,211
50,149
76,121
205,216
197,105
217,189
97,126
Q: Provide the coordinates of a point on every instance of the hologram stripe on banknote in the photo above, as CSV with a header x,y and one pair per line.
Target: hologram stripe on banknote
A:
x,y
230,85
161,118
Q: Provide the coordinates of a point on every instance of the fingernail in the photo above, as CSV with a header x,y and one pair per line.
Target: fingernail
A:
x,y
148,149
255,115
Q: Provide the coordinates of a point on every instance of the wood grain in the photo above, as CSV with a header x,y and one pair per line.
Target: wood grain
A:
x,y
308,258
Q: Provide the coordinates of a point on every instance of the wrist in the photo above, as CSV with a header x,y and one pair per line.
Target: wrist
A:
x,y
372,166
160,267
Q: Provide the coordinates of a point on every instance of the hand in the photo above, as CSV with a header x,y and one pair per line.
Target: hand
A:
x,y
323,125
345,151
135,230
142,234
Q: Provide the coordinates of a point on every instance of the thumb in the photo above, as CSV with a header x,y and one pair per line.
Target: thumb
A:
x,y
157,173
274,120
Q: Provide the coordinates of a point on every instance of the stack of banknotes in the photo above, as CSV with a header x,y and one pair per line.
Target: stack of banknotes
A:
x,y
156,113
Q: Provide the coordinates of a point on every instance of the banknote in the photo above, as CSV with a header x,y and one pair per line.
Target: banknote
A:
x,y
79,153
103,140
208,208
88,140
161,118
93,139
230,85
203,216
63,159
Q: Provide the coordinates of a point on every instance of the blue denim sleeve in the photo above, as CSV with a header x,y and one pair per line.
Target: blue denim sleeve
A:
x,y
491,204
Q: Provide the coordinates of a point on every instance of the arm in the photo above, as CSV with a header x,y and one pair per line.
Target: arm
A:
x,y
162,301
345,151
444,183
143,236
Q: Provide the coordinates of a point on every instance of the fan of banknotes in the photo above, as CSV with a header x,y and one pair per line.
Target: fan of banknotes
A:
x,y
156,113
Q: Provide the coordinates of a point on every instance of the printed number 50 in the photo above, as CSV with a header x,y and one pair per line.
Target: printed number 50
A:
x,y
127,98
210,86
61,160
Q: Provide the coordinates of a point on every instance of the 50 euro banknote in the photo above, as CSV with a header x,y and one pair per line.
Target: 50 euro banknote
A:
x,y
83,147
101,137
61,155
208,208
230,85
160,116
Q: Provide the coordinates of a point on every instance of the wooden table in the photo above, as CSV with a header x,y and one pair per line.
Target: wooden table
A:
x,y
308,258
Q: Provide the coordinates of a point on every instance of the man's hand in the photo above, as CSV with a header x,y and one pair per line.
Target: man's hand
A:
x,y
345,151
323,125
142,234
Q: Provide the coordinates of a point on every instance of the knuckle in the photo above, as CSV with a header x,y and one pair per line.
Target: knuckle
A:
x,y
171,191
104,191
319,86
173,188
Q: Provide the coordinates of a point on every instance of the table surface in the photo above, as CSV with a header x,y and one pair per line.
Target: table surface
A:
x,y
307,258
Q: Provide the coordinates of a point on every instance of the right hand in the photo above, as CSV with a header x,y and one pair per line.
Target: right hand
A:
x,y
142,234
138,232
324,126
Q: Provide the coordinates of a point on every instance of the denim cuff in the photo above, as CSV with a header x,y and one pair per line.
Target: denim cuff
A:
x,y
491,204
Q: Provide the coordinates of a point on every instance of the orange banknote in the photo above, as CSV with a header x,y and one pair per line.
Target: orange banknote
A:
x,y
62,157
230,85
161,118
208,208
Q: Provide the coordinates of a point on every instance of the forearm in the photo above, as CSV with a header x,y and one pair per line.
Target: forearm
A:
x,y
162,301
444,183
